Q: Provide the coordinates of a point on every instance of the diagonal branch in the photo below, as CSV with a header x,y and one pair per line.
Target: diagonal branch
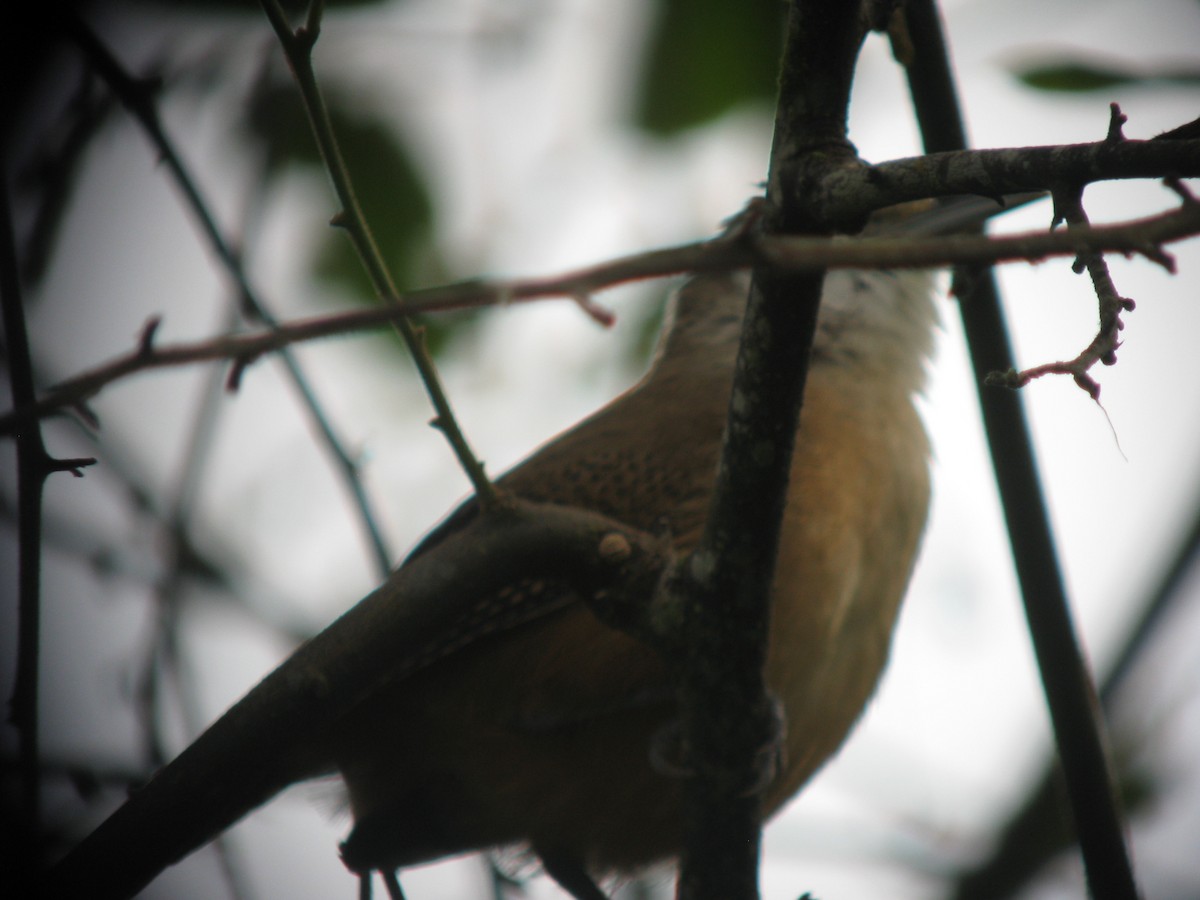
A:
x,y
297,47
734,251
1066,680
137,98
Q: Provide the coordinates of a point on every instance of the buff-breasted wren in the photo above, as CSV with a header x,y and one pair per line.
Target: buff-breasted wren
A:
x,y
540,734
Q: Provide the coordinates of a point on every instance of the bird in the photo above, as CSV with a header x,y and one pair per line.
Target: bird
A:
x,y
540,732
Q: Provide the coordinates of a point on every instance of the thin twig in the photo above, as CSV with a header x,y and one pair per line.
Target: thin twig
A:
x,y
297,47
1145,236
137,97
1068,207
34,466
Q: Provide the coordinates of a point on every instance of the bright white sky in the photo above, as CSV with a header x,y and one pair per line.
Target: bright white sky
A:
x,y
535,171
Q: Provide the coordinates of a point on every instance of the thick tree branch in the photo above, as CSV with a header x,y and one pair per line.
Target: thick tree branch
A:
x,y
730,727
994,173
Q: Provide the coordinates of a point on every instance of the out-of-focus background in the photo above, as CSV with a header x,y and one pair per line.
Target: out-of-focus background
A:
x,y
519,138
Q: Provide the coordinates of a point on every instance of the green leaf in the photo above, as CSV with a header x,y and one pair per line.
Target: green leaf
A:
x,y
389,188
1077,76
706,57
1074,77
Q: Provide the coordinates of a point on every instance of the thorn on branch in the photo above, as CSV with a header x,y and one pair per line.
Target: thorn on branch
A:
x,y
602,315
1182,190
74,465
237,368
146,338
339,220
1156,254
1116,119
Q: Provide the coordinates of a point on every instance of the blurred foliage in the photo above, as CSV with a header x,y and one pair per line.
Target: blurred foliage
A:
x,y
706,57
390,190
1075,76
296,8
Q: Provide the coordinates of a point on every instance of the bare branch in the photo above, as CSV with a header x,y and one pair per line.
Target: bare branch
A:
x,y
1142,236
137,98
993,173
1065,674
1068,207
297,47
